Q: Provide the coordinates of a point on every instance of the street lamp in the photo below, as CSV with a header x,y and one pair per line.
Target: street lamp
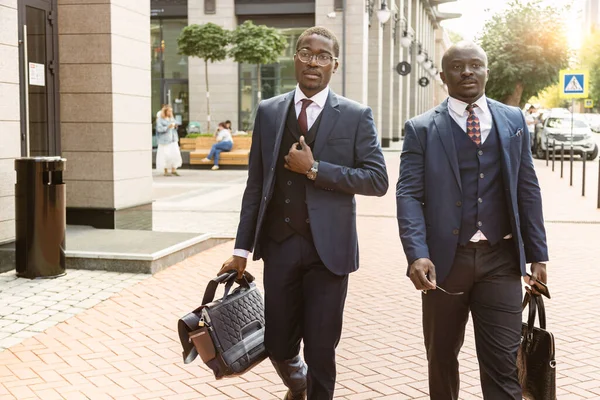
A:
x,y
421,56
384,14
427,64
406,39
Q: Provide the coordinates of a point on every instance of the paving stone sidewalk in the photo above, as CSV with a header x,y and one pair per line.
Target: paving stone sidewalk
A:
x,y
126,346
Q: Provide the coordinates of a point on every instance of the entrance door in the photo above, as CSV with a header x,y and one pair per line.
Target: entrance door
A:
x,y
176,93
39,78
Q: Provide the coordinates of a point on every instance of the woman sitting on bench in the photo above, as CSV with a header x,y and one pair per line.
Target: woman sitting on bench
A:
x,y
224,143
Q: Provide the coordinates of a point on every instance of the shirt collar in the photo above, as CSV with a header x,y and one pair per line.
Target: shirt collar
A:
x,y
460,107
320,98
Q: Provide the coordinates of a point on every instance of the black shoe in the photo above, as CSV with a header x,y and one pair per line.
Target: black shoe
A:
x,y
295,396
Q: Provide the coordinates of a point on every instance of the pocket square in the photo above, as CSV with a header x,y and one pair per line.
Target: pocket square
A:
x,y
519,132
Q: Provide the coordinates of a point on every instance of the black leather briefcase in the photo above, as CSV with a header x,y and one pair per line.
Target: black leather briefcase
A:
x,y
536,359
227,333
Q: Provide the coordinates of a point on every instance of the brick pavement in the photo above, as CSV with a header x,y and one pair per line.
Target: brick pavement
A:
x,y
126,347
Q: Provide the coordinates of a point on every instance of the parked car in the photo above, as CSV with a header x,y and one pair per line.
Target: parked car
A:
x,y
592,119
557,131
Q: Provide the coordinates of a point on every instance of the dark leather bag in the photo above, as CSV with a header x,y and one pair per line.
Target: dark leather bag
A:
x,y
227,333
536,358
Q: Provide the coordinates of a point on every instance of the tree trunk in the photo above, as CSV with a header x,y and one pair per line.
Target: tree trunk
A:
x,y
259,84
514,99
207,97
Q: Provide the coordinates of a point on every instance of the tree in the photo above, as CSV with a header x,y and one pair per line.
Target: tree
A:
x,y
257,44
550,97
526,47
208,42
590,60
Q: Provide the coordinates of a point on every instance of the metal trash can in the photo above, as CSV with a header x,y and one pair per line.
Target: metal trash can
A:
x,y
40,211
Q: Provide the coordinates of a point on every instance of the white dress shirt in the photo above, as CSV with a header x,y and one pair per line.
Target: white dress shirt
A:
x,y
312,113
459,113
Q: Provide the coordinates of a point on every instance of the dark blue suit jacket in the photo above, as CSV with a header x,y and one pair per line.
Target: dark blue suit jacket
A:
x,y
350,162
429,187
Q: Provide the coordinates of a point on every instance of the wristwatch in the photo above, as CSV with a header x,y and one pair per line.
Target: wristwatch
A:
x,y
312,172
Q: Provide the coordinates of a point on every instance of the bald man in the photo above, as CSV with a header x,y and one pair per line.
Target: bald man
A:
x,y
470,217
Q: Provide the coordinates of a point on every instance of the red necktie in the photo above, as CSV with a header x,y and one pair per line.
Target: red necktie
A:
x,y
473,126
302,121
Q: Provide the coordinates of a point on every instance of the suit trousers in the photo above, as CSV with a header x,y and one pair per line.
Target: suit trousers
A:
x,y
303,301
490,278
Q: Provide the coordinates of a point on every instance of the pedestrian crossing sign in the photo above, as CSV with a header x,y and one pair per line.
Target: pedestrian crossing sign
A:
x,y
574,84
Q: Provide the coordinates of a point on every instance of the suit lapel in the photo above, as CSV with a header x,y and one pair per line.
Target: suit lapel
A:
x,y
443,124
330,115
281,117
499,120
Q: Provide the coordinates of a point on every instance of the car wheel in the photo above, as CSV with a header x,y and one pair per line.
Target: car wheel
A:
x,y
539,152
592,156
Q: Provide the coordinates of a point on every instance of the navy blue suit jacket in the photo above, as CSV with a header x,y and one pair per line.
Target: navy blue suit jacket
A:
x,y
350,162
430,186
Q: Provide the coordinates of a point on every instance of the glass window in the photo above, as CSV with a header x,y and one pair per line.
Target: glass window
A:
x,y
276,79
169,70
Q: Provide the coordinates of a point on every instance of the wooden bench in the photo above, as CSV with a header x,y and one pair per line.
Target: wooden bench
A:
x,y
239,154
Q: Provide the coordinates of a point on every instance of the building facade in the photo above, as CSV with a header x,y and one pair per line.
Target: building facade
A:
x,y
78,81
369,57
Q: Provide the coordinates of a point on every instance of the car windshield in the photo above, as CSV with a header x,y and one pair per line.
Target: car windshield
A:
x,y
565,123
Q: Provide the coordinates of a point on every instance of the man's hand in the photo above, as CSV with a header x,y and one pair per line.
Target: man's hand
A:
x,y
419,272
299,161
236,263
538,273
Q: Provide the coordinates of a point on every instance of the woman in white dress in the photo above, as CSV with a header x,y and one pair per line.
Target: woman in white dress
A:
x,y
168,155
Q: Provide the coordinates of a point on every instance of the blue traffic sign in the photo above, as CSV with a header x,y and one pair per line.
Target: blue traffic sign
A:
x,y
574,83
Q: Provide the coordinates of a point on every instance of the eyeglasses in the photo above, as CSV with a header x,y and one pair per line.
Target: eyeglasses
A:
x,y
323,59
438,287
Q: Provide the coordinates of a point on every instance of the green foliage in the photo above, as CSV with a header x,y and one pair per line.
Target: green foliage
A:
x,y
590,60
454,36
256,44
208,42
526,47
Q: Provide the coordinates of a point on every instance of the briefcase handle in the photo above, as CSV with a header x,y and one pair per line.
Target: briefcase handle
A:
x,y
229,278
535,303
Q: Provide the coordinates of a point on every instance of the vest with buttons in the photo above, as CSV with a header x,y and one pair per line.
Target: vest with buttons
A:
x,y
287,212
483,204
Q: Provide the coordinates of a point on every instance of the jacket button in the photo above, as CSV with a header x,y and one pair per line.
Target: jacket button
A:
x,y
287,201
307,221
289,183
287,219
265,198
458,203
480,152
455,231
481,175
479,223
480,200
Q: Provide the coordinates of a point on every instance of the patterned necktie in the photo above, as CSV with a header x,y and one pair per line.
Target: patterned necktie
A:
x,y
473,126
302,121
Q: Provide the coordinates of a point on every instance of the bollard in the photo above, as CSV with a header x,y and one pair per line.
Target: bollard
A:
x,y
562,159
571,166
553,153
547,150
583,176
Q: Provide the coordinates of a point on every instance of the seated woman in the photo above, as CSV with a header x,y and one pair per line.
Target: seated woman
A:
x,y
224,143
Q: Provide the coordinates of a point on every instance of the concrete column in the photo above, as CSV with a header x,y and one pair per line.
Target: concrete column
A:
x,y
375,67
357,34
416,70
397,79
323,8
10,138
387,93
105,102
223,76
408,54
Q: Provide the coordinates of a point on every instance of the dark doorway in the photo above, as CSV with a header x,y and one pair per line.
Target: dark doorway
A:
x,y
38,57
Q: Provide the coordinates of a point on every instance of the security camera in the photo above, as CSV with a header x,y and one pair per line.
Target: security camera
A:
x,y
331,15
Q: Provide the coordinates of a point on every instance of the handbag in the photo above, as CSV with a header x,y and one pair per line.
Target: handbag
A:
x,y
536,361
227,333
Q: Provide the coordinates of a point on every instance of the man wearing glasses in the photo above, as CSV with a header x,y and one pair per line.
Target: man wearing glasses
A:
x,y
470,218
312,151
